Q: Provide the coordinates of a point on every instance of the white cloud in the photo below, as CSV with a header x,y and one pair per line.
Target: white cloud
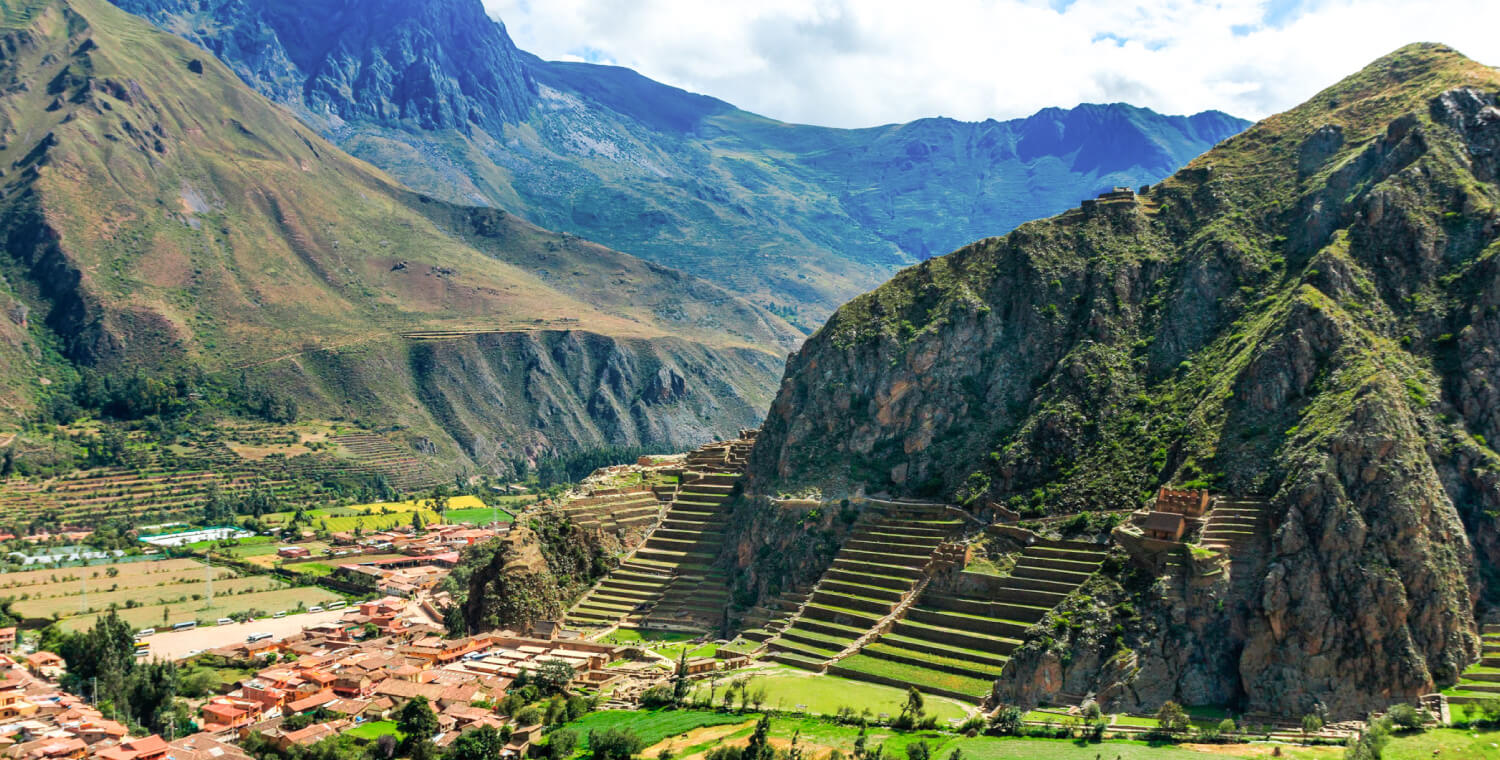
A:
x,y
857,63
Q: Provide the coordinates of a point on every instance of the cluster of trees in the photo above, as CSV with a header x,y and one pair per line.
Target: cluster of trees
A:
x,y
103,667
138,395
574,466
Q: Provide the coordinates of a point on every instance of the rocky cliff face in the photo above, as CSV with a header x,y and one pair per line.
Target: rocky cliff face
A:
x,y
427,64
1306,313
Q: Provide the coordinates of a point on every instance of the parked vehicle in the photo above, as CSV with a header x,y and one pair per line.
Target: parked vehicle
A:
x,y
186,625
225,621
254,637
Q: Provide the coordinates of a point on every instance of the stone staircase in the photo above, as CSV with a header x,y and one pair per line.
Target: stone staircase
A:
x,y
871,577
956,644
1482,680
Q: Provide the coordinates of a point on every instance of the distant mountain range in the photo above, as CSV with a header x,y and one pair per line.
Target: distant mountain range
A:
x,y
798,218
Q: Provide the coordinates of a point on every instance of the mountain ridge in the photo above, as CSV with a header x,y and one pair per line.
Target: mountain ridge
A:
x,y
797,217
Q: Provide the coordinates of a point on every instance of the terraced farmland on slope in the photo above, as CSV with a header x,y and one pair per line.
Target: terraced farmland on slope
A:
x,y
670,579
956,644
879,567
1481,681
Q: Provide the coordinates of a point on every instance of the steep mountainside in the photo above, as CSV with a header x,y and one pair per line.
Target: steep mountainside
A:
x,y
1310,313
801,218
158,213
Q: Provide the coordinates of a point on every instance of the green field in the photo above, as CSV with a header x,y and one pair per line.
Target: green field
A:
x,y
786,688
651,725
310,569
638,637
478,516
374,730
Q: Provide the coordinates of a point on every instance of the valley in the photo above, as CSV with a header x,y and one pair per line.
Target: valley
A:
x,y
328,431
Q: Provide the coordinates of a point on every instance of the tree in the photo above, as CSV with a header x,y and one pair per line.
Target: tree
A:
x,y
614,744
1370,744
561,743
483,743
912,711
1227,726
956,754
918,750
1406,717
553,677
1007,720
1311,724
680,679
1171,718
759,746
418,722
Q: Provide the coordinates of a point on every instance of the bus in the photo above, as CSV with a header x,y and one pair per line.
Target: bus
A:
x,y
336,606
186,625
254,637
144,632
142,648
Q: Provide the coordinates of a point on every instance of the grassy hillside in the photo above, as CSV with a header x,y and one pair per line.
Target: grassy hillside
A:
x,y
160,213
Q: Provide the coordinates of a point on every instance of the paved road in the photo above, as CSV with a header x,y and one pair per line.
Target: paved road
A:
x,y
176,645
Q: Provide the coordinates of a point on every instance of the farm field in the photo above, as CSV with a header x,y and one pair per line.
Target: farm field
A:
x,y
375,729
786,688
136,574
223,606
157,588
340,519
697,732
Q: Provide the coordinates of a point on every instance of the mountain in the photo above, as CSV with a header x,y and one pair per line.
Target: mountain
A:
x,y
159,215
800,218
1307,314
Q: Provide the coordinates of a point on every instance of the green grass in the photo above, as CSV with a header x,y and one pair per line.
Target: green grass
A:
x,y
825,694
673,651
916,676
374,730
242,542
651,725
636,636
1445,743
479,516
310,569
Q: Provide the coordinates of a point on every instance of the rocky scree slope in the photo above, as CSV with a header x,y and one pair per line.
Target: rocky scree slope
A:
x,y
158,213
799,217
1309,312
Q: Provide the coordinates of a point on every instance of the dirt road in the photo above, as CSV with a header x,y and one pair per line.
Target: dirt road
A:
x,y
176,645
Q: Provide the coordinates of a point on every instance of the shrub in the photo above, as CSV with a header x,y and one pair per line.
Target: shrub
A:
x,y
1172,719
1406,717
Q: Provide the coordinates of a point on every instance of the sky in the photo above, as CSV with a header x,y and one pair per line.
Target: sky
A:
x,y
857,63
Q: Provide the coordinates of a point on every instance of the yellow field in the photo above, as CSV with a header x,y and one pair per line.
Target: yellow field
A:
x,y
128,575
378,515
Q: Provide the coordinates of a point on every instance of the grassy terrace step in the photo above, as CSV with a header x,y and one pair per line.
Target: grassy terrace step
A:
x,y
966,639
884,558
861,664
985,608
991,659
866,579
958,621
840,615
861,590
956,666
896,536
876,568
810,651
1072,579
876,607
886,547
829,628
1066,565
1071,554
798,661
816,639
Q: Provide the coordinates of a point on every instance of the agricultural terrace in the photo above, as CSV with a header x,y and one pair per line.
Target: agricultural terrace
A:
x,y
148,593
